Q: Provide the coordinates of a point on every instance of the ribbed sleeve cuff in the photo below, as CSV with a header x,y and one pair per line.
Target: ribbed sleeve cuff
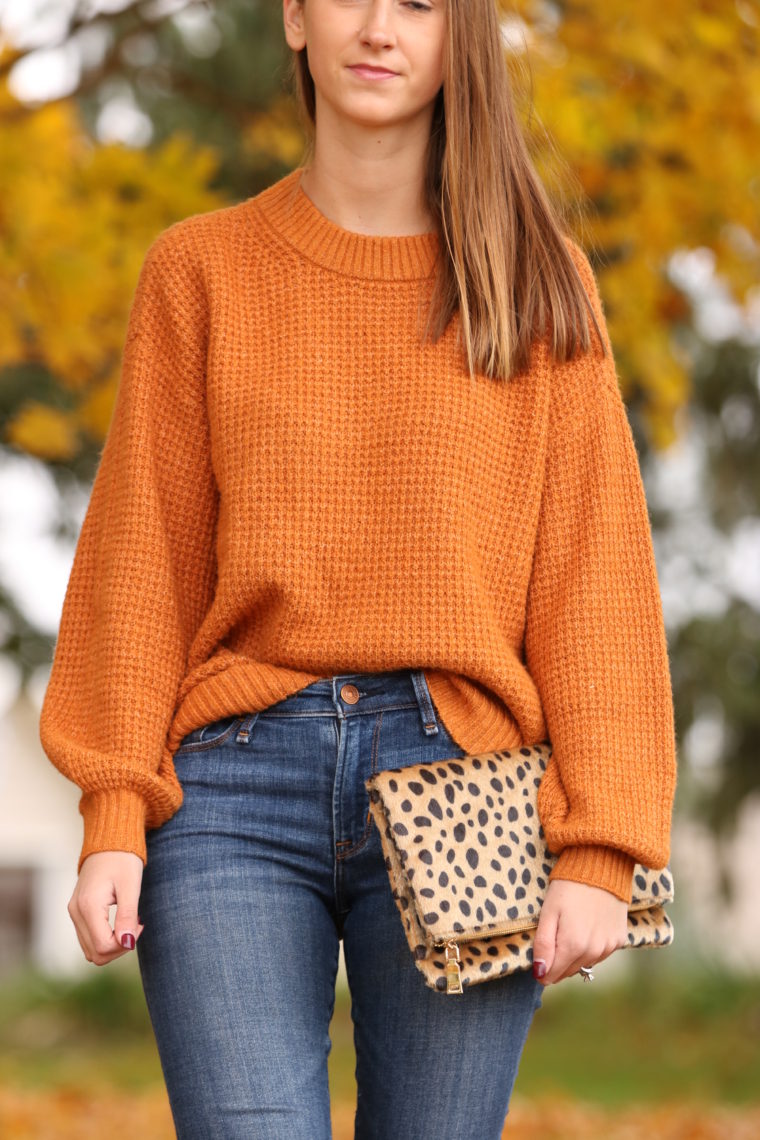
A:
x,y
599,867
113,821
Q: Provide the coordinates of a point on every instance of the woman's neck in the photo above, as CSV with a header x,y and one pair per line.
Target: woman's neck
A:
x,y
374,198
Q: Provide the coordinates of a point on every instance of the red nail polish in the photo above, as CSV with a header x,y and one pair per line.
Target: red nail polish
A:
x,y
539,968
128,941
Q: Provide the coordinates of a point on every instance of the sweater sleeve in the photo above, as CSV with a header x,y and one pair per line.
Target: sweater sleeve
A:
x,y
144,567
595,638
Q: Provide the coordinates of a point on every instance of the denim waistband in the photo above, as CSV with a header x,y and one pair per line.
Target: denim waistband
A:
x,y
365,693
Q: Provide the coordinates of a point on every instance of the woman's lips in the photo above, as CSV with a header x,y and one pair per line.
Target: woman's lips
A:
x,y
367,72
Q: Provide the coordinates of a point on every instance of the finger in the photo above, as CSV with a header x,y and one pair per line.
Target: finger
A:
x,y
605,954
593,958
556,955
575,948
574,968
590,956
99,935
81,928
544,943
89,945
86,932
126,927
566,960
80,938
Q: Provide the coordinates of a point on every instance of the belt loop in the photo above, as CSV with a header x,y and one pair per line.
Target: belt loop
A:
x,y
424,700
243,733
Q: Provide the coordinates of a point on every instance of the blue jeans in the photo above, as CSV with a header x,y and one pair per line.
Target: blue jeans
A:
x,y
248,889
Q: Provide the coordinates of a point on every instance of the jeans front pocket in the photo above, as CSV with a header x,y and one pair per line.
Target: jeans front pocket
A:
x,y
211,735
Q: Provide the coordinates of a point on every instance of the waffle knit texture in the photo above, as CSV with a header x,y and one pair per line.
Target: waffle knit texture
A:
x,y
293,486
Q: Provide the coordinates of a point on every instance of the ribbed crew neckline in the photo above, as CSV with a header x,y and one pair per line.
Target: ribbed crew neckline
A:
x,y
291,212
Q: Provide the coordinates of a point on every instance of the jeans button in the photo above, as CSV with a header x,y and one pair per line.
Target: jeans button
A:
x,y
350,694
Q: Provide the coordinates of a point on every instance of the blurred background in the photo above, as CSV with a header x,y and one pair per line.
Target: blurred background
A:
x,y
118,118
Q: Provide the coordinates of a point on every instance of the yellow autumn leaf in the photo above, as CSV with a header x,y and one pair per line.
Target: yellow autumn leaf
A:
x,y
43,431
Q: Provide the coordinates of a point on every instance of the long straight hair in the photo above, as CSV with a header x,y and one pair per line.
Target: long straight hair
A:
x,y
505,260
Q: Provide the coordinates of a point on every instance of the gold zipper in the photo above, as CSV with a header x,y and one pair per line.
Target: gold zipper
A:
x,y
453,973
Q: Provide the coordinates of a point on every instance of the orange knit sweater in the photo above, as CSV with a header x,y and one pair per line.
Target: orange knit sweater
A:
x,y
293,487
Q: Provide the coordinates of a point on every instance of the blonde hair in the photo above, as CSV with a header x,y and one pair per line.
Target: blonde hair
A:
x,y
506,263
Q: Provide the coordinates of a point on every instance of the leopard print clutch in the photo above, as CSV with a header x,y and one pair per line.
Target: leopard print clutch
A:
x,y
468,864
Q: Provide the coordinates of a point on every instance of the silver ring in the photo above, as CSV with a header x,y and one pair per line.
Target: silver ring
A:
x,y
585,972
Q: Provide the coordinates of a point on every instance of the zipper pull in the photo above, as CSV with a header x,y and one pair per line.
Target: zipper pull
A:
x,y
453,973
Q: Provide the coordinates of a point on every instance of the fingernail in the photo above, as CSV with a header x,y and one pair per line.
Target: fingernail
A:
x,y
128,941
539,968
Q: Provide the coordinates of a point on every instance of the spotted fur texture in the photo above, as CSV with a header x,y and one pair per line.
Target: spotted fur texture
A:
x,y
467,859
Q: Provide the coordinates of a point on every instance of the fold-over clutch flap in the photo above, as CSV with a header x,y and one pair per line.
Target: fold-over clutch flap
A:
x,y
468,840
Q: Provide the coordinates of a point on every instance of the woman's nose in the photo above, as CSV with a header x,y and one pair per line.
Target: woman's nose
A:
x,y
378,26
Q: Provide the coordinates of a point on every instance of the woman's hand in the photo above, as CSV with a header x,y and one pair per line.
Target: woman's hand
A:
x,y
107,877
579,925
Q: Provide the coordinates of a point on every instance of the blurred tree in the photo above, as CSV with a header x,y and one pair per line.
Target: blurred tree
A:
x,y
76,223
716,655
80,217
657,108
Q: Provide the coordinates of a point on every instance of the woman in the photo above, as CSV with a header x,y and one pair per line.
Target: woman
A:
x,y
323,541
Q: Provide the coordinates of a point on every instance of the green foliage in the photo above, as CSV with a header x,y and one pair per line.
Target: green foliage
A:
x,y
661,1035
106,1005
694,1036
